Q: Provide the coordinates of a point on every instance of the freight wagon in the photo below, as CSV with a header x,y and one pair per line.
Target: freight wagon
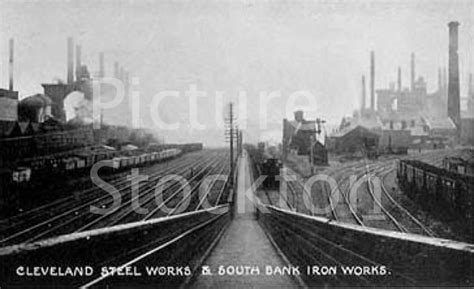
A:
x,y
438,187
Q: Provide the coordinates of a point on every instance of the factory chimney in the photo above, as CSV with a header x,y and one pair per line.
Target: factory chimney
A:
x,y
445,80
116,70
363,93
127,83
70,64
101,65
399,82
10,62
413,71
470,93
372,80
453,79
78,62
440,80
121,74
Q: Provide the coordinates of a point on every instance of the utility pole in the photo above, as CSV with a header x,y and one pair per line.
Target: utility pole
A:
x,y
240,142
319,122
230,134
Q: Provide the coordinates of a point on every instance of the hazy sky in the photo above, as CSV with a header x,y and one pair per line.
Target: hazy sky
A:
x,y
319,46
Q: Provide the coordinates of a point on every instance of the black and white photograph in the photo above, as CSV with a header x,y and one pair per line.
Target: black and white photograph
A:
x,y
236,144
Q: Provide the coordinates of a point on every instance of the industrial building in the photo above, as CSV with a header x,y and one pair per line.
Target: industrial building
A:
x,y
411,117
34,130
463,163
358,141
300,138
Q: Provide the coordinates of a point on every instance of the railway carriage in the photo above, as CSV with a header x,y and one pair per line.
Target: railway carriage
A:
x,y
437,187
154,156
116,163
80,163
69,164
21,175
87,158
270,168
124,162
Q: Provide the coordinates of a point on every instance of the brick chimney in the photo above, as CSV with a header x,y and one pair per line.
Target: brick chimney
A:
x,y
101,65
413,74
70,63
10,62
399,80
78,63
363,93
454,110
372,80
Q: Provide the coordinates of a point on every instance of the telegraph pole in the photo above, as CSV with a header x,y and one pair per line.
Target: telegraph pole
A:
x,y
230,134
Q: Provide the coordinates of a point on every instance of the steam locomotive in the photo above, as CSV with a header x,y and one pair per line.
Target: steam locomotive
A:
x,y
270,168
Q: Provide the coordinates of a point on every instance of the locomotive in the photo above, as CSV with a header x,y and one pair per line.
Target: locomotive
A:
x,y
270,168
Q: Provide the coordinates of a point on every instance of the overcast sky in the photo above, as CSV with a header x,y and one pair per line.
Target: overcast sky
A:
x,y
319,46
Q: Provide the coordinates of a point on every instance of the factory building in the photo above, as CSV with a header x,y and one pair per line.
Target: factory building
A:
x,y
356,140
300,138
35,108
411,115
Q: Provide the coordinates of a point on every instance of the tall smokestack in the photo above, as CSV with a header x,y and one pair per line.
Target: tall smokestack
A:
x,y
445,79
372,80
78,62
101,65
413,75
127,83
122,74
453,80
70,64
470,93
116,70
440,80
363,93
399,82
10,63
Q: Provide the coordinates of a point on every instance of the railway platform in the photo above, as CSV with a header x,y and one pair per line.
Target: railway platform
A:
x,y
243,248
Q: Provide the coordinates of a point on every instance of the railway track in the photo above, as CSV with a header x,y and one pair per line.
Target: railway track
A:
x,y
318,249
344,210
61,221
125,213
394,210
70,216
78,198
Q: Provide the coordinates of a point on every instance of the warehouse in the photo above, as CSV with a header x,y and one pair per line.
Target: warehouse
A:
x,y
356,139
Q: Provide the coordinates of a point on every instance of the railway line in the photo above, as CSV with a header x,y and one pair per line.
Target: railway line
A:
x,y
70,210
87,196
330,253
71,215
381,211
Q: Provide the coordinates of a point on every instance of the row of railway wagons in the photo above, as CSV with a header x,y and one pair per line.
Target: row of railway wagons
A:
x,y
145,158
82,161
438,187
70,164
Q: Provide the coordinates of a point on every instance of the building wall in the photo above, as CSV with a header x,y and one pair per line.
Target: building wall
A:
x,y
8,109
18,148
395,138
